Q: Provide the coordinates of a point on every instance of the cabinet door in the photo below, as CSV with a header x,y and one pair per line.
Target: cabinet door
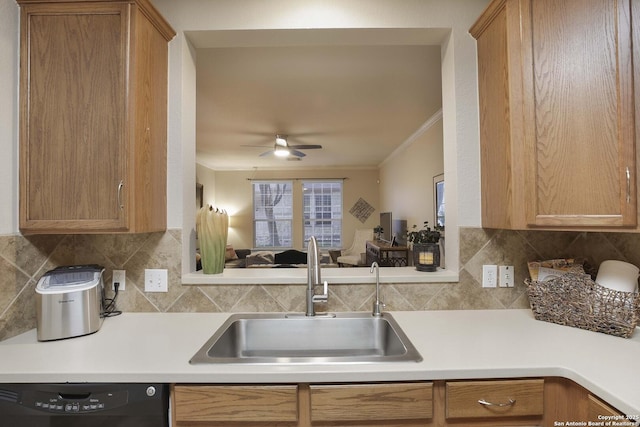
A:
x,y
578,113
73,106
499,90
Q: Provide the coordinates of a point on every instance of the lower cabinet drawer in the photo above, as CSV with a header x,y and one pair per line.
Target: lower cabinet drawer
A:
x,y
508,398
236,403
353,402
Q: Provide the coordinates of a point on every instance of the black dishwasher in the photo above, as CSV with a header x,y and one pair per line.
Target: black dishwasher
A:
x,y
84,405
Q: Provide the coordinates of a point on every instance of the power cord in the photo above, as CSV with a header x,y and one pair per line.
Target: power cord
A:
x,y
109,304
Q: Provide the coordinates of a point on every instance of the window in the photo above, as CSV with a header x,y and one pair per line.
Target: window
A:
x,y
272,214
322,210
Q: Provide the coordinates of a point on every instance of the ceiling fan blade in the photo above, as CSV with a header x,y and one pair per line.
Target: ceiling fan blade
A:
x,y
267,153
296,153
305,147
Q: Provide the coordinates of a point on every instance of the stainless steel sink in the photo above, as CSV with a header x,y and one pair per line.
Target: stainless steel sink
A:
x,y
269,338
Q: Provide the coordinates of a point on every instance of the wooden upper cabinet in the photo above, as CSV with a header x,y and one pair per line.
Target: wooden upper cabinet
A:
x,y
557,120
93,117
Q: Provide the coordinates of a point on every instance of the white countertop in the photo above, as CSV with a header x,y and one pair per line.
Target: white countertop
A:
x,y
154,347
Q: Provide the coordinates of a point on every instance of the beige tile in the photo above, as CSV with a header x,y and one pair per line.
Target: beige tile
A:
x,y
335,305
550,244
290,297
472,240
521,302
392,298
353,296
193,301
465,295
627,245
21,315
505,248
66,252
257,299
419,294
12,282
226,296
118,248
131,300
595,247
28,253
162,251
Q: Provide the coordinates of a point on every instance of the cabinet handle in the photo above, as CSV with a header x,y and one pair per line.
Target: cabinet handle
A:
x,y
500,405
120,185
628,185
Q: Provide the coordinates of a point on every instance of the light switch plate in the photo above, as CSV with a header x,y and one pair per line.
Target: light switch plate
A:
x,y
156,280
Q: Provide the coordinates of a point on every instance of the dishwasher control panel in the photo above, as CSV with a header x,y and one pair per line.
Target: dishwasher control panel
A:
x,y
74,403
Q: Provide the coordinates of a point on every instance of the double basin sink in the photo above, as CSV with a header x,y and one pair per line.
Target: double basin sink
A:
x,y
272,338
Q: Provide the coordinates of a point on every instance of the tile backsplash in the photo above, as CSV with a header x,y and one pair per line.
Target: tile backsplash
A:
x,y
23,259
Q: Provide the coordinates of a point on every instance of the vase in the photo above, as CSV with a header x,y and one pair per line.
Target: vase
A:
x,y
212,226
426,256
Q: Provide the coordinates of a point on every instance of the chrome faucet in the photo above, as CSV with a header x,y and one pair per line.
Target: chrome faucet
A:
x,y
313,278
377,304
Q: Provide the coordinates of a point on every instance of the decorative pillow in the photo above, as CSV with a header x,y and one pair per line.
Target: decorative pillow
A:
x,y
230,254
261,257
291,256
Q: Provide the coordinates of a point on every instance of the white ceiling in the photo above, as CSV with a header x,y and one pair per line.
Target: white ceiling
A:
x,y
359,93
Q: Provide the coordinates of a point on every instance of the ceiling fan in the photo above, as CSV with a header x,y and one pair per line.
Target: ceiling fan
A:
x,y
283,149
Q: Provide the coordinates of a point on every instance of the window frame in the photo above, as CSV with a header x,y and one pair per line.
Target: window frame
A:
x,y
277,222
335,237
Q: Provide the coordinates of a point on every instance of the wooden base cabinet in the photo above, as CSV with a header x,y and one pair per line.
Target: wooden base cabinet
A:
x,y
303,405
93,116
568,401
529,402
557,114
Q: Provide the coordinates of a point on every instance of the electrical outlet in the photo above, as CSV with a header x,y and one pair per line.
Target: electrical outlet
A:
x,y
489,276
156,280
118,276
506,276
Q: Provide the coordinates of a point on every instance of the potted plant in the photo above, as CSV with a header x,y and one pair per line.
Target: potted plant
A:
x,y
425,244
378,230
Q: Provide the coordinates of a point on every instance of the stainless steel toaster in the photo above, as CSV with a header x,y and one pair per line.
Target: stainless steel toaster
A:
x,y
69,302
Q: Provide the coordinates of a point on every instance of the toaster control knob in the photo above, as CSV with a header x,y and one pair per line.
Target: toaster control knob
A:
x,y
151,391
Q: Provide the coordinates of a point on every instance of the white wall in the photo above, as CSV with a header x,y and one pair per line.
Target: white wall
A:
x,y
233,192
406,179
9,53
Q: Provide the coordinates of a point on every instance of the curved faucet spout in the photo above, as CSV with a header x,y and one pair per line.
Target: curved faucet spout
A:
x,y
377,304
313,263
313,277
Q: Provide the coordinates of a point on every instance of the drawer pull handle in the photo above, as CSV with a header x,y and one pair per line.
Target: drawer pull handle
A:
x,y
500,405
120,185
628,173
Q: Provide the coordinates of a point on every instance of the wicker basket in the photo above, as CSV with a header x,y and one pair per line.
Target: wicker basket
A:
x,y
574,300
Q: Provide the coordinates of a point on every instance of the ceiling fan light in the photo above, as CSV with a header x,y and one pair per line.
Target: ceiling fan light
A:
x,y
281,151
281,140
